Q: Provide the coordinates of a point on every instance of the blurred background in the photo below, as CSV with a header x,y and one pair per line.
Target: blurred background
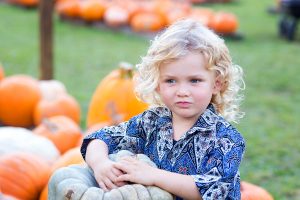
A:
x,y
91,38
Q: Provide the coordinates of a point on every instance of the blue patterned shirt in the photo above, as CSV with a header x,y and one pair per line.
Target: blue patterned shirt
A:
x,y
211,151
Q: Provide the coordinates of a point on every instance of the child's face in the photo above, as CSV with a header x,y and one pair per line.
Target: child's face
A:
x,y
186,86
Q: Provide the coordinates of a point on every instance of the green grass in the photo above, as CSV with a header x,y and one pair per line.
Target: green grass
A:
x,y
84,55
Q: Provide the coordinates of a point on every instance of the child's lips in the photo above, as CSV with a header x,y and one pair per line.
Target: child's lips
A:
x,y
183,104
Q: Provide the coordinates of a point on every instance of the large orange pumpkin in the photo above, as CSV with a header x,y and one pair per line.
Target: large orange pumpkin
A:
x,y
61,130
250,191
23,175
114,99
63,104
224,23
19,94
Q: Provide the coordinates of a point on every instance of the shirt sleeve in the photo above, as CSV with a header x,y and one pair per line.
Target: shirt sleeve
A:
x,y
219,177
127,135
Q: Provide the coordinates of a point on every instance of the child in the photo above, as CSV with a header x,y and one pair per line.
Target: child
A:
x,y
192,86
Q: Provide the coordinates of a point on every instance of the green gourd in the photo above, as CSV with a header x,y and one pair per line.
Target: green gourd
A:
x,y
77,182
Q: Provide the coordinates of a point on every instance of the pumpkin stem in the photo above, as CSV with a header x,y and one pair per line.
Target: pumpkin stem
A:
x,y
126,70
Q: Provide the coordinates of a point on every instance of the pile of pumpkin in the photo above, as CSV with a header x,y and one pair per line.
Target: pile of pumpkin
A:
x,y
40,130
141,15
145,15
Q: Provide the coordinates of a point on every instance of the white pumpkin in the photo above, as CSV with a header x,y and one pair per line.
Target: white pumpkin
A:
x,y
77,182
51,89
15,139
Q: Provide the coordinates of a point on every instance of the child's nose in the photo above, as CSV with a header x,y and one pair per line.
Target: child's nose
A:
x,y
182,90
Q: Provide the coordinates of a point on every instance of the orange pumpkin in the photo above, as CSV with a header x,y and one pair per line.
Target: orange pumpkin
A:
x,y
114,99
2,75
224,23
250,191
91,10
68,8
63,104
23,175
19,94
61,130
147,22
116,16
172,10
28,3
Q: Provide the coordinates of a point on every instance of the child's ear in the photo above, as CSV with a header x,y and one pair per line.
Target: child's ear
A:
x,y
157,89
218,85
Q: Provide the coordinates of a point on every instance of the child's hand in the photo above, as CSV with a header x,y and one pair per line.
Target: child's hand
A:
x,y
106,175
135,171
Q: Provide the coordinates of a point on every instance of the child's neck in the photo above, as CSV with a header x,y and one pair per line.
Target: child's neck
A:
x,y
180,127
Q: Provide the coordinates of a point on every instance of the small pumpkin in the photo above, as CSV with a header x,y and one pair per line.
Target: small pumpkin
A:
x,y
91,10
250,191
114,100
77,182
64,104
23,175
61,130
19,94
51,89
147,22
224,23
28,3
68,8
15,139
116,16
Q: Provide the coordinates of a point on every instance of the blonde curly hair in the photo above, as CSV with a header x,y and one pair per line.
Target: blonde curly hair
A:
x,y
177,41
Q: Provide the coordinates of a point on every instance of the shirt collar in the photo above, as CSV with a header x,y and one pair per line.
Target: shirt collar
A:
x,y
205,122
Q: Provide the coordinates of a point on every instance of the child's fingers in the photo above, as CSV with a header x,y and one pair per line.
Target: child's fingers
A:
x,y
103,186
124,178
116,172
122,166
109,184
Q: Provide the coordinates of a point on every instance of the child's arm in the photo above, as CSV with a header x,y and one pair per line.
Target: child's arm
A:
x,y
142,173
104,170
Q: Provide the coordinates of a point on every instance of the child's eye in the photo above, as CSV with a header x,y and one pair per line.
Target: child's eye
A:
x,y
195,80
170,81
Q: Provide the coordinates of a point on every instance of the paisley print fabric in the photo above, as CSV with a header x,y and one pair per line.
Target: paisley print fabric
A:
x,y
211,151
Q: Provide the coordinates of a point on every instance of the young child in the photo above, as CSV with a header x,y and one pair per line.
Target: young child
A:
x,y
193,88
